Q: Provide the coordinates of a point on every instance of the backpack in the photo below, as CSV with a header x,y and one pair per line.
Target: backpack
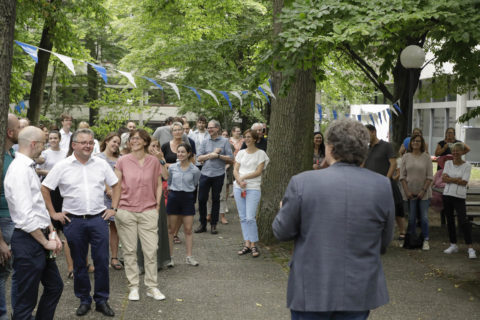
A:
x,y
412,241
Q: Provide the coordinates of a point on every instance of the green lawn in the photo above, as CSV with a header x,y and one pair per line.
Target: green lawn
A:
x,y
475,175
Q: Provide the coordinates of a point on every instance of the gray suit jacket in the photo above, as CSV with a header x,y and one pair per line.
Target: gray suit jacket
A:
x,y
339,217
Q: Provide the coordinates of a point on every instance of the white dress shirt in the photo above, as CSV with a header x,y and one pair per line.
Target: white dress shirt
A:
x,y
22,191
65,140
81,185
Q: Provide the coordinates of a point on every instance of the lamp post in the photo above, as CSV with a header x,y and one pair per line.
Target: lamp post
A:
x,y
412,59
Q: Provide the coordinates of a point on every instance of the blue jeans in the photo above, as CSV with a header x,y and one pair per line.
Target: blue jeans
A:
x,y
204,186
6,226
330,315
247,211
416,205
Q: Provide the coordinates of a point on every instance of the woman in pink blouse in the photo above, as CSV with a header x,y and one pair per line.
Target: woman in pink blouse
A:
x,y
140,176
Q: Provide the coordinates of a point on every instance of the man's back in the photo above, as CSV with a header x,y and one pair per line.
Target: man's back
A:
x,y
339,217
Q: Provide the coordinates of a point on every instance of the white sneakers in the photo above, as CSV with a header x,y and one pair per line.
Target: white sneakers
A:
x,y
452,249
151,292
471,253
133,295
191,261
155,294
426,245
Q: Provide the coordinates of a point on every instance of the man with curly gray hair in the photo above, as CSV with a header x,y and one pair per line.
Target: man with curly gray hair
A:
x,y
340,218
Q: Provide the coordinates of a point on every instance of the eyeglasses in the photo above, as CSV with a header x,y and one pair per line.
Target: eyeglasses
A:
x,y
84,143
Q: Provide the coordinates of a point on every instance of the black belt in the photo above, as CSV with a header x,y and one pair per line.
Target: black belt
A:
x,y
84,216
45,231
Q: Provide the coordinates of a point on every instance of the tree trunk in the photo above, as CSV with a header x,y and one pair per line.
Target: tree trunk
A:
x,y
290,139
401,81
7,26
40,75
92,82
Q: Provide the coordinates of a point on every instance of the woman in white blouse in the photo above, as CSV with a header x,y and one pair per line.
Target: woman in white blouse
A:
x,y
456,175
249,164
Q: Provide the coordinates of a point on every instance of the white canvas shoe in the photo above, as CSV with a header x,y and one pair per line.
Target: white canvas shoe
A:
x,y
426,245
452,249
133,295
472,254
191,261
155,294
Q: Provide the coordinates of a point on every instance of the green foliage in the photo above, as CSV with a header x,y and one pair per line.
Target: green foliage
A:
x,y
114,112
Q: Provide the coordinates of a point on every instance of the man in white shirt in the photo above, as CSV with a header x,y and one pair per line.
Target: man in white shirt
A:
x,y
33,239
65,132
81,180
199,135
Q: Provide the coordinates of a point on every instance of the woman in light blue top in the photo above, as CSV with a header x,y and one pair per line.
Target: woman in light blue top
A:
x,y
183,177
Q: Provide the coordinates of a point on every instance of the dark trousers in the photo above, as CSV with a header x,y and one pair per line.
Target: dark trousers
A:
x,y
32,267
449,205
204,186
333,315
79,233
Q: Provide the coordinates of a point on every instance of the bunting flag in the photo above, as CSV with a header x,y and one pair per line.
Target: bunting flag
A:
x,y
380,117
244,92
270,92
397,107
239,97
175,88
347,115
371,118
212,95
389,113
359,117
129,76
20,106
227,98
154,82
270,83
263,92
319,108
101,70
251,104
29,49
196,92
334,114
394,111
66,61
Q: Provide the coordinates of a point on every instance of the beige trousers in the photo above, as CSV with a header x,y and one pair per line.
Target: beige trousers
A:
x,y
130,227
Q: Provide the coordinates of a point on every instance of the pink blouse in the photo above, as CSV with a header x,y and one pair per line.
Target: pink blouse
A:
x,y
139,183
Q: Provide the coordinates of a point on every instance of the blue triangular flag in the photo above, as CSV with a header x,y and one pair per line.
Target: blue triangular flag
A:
x,y
262,91
225,94
101,70
270,82
380,116
334,114
347,115
395,105
371,118
29,49
196,92
359,117
22,104
389,113
251,104
154,82
319,108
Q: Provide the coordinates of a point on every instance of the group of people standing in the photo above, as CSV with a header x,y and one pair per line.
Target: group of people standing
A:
x,y
130,189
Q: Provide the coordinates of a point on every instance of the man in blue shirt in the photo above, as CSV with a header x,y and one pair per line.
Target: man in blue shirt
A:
x,y
6,224
215,152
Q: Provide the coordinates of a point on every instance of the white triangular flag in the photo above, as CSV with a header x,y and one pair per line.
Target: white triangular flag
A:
x,y
211,94
236,94
175,88
266,87
67,61
129,76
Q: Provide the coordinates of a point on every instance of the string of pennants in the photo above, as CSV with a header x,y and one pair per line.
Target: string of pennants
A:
x,y
375,118
265,89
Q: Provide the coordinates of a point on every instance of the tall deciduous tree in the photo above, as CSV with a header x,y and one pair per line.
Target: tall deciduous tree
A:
x,y
7,26
291,135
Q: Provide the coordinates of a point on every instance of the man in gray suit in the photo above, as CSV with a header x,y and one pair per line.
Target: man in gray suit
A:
x,y
341,218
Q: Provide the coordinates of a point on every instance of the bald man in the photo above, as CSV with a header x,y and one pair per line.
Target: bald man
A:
x,y
6,224
34,241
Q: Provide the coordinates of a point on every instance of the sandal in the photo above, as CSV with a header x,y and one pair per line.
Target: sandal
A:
x,y
255,252
176,240
244,250
116,266
401,237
